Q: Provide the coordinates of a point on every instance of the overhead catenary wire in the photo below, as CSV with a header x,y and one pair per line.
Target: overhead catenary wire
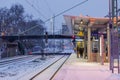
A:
x,y
67,10
35,9
37,2
56,15
48,6
46,3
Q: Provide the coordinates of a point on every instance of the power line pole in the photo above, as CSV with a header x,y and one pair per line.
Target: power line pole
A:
x,y
53,29
114,46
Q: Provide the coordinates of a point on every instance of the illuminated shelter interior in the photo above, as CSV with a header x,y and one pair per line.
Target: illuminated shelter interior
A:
x,y
89,30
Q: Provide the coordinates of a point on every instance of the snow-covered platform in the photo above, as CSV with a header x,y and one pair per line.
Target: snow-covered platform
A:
x,y
80,69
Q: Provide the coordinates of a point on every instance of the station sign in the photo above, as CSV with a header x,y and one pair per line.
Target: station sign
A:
x,y
95,34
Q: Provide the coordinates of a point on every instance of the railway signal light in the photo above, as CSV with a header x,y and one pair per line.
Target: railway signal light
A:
x,y
73,38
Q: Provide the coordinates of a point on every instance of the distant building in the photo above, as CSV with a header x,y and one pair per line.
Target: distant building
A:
x,y
65,29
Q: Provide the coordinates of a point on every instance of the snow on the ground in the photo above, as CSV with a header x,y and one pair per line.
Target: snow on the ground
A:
x,y
17,70
68,51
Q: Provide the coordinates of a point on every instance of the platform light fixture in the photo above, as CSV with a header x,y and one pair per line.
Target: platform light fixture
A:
x,y
81,21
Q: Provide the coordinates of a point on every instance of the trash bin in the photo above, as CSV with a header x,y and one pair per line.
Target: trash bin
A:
x,y
94,57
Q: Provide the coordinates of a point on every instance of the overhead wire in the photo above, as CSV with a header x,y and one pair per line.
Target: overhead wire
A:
x,y
56,15
52,22
67,10
48,6
37,4
35,9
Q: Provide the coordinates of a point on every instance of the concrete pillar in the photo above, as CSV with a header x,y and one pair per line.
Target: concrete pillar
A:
x,y
85,45
89,44
102,50
108,42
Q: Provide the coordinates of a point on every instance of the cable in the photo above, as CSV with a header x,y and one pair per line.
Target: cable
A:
x,y
37,5
35,8
67,9
48,6
55,16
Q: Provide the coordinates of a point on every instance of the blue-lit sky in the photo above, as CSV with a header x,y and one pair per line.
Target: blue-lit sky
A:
x,y
94,8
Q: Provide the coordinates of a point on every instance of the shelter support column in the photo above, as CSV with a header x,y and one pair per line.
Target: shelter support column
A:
x,y
89,44
108,42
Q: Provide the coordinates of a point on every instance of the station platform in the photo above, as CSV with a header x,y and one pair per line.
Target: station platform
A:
x,y
79,69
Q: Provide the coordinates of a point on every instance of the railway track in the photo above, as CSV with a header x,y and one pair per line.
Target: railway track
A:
x,y
15,60
48,72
